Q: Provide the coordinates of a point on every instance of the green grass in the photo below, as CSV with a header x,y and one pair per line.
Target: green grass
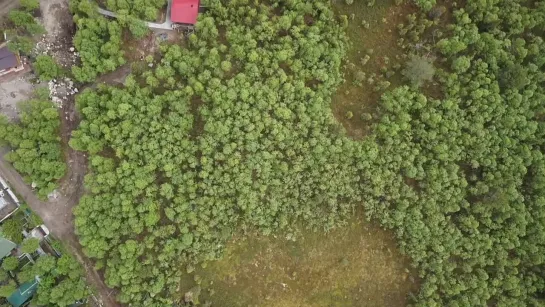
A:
x,y
381,37
356,265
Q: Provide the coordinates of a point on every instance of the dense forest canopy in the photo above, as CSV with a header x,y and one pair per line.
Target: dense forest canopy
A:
x,y
238,120
36,145
144,9
235,131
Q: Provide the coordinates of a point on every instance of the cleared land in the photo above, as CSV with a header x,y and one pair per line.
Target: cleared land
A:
x,y
356,265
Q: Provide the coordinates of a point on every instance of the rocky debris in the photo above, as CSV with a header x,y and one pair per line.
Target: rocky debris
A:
x,y
53,195
63,51
61,90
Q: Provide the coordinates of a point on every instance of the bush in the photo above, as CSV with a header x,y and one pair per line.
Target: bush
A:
x,y
30,5
30,245
12,230
7,290
10,263
47,68
418,70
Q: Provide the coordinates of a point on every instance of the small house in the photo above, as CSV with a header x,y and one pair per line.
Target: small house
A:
x,y
9,61
185,11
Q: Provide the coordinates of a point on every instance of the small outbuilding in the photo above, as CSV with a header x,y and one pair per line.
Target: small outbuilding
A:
x,y
9,61
185,11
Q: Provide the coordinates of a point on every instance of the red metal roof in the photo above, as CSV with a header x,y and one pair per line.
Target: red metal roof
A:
x,y
184,11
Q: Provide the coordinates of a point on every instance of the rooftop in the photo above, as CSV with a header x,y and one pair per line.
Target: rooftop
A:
x,y
8,59
23,294
6,246
8,201
185,11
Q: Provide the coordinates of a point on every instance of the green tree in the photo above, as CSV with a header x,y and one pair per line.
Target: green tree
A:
x,y
12,229
21,44
30,245
461,64
514,76
10,263
7,290
20,18
138,28
47,68
36,146
418,70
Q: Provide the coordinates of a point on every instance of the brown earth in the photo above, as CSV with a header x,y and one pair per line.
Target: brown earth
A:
x,y
7,5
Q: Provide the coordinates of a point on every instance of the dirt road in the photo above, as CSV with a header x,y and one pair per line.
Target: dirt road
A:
x,y
7,5
57,216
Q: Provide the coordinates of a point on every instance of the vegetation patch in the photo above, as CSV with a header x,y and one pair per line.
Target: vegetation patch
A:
x,y
36,145
373,62
236,132
350,266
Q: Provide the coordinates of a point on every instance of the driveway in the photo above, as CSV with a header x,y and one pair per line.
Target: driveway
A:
x,y
167,25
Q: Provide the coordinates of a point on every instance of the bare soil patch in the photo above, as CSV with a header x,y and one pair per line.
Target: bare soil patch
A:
x,y
60,27
6,6
15,88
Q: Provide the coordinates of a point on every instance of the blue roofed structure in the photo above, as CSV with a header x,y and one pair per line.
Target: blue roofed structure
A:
x,y
23,294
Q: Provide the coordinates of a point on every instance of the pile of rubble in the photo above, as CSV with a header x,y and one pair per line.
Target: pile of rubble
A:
x,y
63,51
61,90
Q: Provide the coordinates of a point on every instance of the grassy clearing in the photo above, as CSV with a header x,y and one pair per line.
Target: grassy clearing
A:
x,y
356,265
372,31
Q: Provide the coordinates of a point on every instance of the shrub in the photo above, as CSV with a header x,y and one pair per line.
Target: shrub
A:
x,y
10,263
12,230
30,245
30,5
8,289
47,68
418,70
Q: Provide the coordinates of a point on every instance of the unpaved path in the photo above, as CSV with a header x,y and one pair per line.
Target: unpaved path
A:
x,y
7,5
57,216
57,213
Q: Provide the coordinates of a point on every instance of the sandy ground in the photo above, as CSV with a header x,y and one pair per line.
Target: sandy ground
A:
x,y
7,5
12,92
